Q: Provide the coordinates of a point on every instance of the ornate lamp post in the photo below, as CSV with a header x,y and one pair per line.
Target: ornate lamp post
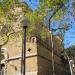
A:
x,y
25,24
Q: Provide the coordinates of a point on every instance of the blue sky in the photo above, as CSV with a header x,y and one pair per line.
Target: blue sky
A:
x,y
33,4
69,38
70,34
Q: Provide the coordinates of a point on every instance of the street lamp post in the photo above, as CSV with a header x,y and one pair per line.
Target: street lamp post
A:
x,y
0,59
25,24
24,52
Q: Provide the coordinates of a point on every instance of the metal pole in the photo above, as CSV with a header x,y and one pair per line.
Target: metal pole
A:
x,y
24,60
52,45
53,67
0,59
22,55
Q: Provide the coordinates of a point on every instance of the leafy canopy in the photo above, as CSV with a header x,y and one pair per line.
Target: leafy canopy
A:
x,y
9,16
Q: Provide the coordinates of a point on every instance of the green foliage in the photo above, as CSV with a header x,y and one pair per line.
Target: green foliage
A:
x,y
72,48
49,3
74,9
36,18
68,52
65,1
9,16
54,5
37,25
60,14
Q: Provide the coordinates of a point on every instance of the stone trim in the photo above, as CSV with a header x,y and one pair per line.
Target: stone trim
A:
x,y
19,57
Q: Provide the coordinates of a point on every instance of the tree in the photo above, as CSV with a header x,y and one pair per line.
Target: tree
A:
x,y
10,17
71,49
8,8
73,8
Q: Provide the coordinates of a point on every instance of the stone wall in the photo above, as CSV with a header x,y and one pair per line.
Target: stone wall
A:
x,y
45,60
38,58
